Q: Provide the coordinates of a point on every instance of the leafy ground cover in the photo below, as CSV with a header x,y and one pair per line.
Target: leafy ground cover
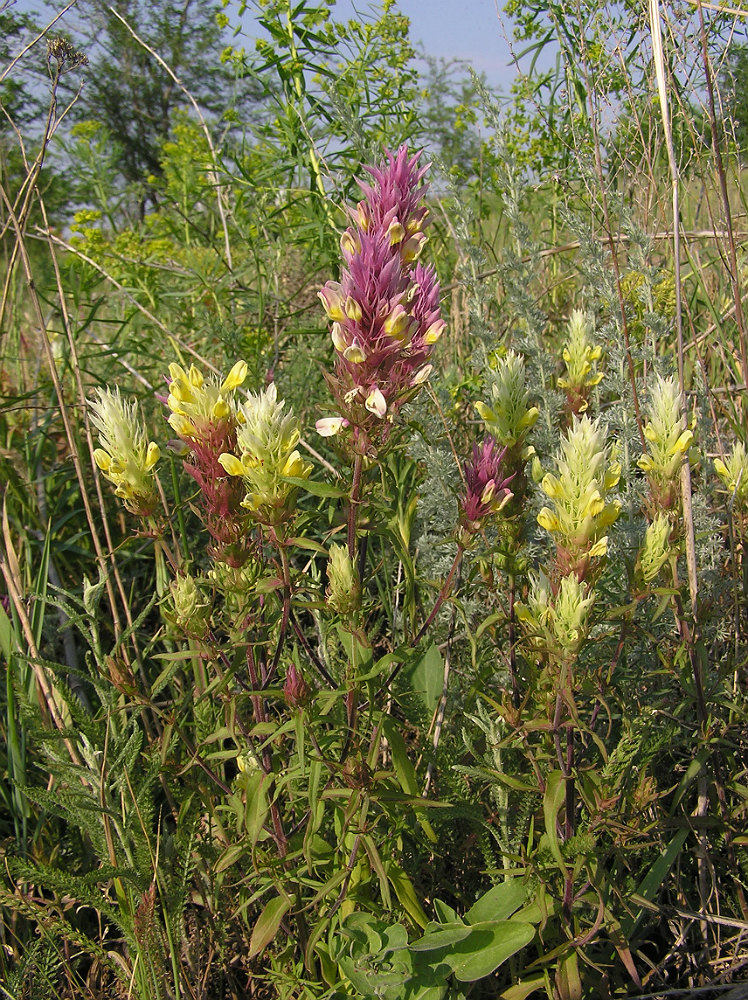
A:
x,y
374,514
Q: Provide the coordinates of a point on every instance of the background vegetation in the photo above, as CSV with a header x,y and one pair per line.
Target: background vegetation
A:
x,y
386,730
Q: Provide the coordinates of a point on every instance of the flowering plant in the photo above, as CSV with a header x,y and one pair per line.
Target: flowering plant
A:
x,y
385,309
126,457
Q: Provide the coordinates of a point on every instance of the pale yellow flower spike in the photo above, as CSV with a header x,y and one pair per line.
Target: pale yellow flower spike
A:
x,y
579,490
196,402
734,473
126,457
266,439
509,417
668,441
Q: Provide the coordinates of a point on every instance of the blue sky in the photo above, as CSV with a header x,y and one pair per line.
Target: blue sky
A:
x,y
470,30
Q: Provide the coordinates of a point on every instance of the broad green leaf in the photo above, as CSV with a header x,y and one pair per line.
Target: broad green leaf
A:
x,y
426,678
488,945
428,990
440,936
267,924
498,903
405,893
445,913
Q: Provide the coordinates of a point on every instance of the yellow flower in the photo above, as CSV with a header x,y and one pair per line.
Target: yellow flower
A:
x,y
734,473
586,473
126,457
556,622
196,402
508,418
656,548
344,590
266,440
580,356
191,610
667,439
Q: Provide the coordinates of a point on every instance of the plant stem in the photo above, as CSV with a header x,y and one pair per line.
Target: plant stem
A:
x,y
443,595
358,463
286,607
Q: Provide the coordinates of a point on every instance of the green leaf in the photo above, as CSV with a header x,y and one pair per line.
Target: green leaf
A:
x,y
229,857
426,677
267,924
405,893
257,805
654,878
440,936
498,903
405,772
316,488
300,542
522,990
488,945
376,863
445,913
555,791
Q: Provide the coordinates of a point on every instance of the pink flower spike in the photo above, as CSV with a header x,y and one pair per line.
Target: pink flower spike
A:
x,y
486,490
384,312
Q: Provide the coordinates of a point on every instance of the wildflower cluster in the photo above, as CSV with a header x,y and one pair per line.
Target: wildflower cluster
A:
x,y
204,415
266,441
385,310
580,356
197,405
668,443
508,416
556,619
126,457
486,490
656,549
344,586
580,495
242,455
734,474
191,610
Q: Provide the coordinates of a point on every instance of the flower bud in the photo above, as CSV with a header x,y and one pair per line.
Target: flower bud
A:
x,y
344,587
190,610
656,548
296,691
